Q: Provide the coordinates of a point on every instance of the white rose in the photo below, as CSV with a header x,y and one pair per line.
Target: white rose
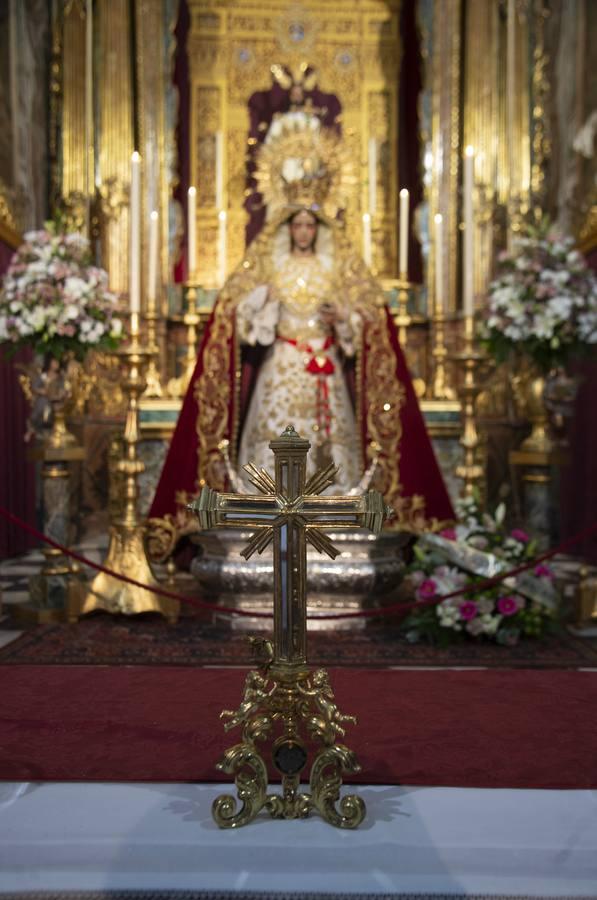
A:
x,y
560,306
490,623
23,327
75,287
70,312
37,318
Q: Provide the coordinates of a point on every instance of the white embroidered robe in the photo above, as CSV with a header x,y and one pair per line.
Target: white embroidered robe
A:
x,y
284,316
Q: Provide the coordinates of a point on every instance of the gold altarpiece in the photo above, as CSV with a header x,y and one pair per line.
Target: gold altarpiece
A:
x,y
477,57
111,90
355,49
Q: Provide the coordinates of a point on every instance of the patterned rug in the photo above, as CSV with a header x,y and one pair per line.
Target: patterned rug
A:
x,y
107,640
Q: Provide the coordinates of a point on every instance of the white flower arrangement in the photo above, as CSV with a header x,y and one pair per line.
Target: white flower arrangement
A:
x,y
54,300
543,301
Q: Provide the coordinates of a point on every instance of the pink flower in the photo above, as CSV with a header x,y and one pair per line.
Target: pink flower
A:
x,y
468,610
449,534
519,535
507,606
426,589
542,571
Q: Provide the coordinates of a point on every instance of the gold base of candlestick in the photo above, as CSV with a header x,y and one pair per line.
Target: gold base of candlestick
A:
x,y
403,319
152,376
284,698
126,556
440,388
177,387
126,551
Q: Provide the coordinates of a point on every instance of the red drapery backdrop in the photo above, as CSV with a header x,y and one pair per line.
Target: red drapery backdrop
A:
x,y
17,483
578,496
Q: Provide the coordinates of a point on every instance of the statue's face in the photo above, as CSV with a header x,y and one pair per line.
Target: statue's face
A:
x,y
303,230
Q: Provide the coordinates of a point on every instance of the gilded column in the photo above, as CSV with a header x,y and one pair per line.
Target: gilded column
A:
x,y
115,105
481,127
517,107
445,140
151,121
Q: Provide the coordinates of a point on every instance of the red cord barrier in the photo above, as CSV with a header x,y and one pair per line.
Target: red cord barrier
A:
x,y
161,592
473,588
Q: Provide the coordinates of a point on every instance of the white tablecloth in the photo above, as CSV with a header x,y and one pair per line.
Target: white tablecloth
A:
x,y
161,836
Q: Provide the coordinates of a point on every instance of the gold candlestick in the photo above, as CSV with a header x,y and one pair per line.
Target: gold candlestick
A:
x,y
285,696
470,471
441,391
126,551
403,319
152,376
177,387
191,320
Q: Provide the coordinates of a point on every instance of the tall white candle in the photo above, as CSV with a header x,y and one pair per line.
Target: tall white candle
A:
x,y
192,232
153,261
403,254
367,247
439,266
467,243
222,247
219,170
372,176
135,248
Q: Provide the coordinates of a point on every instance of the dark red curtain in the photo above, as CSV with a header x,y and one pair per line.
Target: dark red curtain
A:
x,y
409,149
17,482
578,497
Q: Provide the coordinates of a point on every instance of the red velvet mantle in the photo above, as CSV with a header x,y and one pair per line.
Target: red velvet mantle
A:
x,y
418,468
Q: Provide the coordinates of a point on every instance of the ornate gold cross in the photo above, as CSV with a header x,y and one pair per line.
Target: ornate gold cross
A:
x,y
290,512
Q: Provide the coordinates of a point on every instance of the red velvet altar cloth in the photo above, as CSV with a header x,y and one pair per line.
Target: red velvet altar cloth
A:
x,y
497,728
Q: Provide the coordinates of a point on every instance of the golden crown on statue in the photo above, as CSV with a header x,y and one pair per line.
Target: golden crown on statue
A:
x,y
303,164
311,186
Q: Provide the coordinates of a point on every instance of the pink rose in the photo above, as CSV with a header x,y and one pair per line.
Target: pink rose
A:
x,y
519,535
468,610
542,571
449,534
507,606
426,589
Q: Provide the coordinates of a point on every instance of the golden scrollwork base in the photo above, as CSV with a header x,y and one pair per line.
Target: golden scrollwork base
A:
x,y
291,701
326,781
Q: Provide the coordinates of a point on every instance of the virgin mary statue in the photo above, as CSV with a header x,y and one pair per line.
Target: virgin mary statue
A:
x,y
301,334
